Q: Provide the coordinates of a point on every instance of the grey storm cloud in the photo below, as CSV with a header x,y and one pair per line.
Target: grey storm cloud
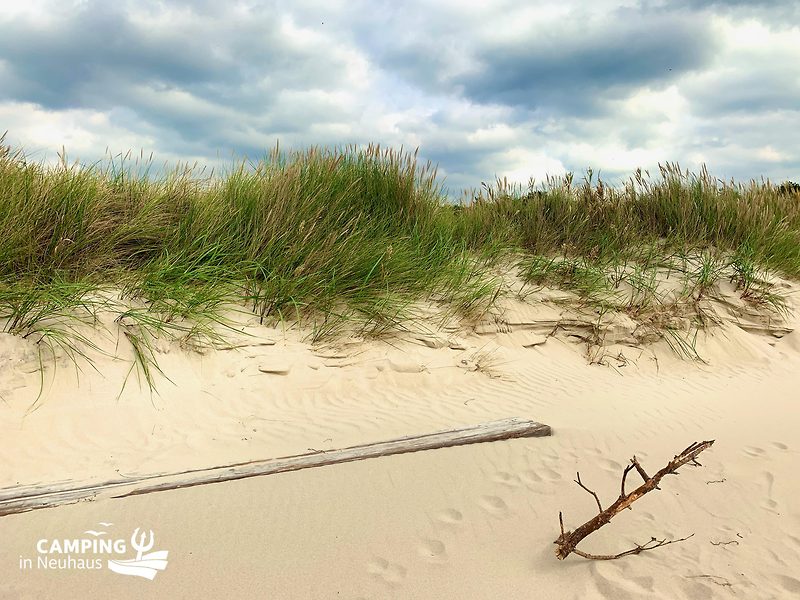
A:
x,y
776,13
98,57
480,88
577,72
746,93
60,64
568,70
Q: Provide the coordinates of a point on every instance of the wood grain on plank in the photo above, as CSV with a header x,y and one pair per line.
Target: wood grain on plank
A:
x,y
24,498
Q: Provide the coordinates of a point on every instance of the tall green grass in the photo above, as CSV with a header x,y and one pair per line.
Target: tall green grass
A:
x,y
679,211
350,235
354,232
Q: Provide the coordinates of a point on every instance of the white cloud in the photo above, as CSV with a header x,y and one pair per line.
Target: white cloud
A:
x,y
524,164
490,88
86,135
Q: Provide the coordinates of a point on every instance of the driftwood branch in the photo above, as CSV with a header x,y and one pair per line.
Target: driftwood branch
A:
x,y
592,492
568,540
20,499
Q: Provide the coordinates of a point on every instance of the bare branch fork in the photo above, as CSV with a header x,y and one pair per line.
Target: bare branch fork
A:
x,y
568,540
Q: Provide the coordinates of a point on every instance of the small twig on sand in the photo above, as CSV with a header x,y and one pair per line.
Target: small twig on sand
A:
x,y
568,540
653,543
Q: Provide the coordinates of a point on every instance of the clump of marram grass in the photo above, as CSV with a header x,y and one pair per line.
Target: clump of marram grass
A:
x,y
351,234
679,211
357,236
594,239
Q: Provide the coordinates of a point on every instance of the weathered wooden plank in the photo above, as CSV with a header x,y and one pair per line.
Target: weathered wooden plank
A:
x,y
25,498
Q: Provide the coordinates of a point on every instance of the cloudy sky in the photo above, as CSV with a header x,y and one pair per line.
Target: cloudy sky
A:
x,y
487,88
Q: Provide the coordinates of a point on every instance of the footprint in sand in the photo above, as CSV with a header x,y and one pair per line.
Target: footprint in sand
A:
x,y
790,584
610,465
494,505
389,573
780,445
533,477
432,551
769,504
754,451
551,474
449,516
649,516
506,479
645,582
530,477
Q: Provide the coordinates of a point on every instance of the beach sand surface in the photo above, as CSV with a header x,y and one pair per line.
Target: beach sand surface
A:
x,y
474,521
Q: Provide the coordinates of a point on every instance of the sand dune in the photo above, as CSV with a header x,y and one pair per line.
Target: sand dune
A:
x,y
468,522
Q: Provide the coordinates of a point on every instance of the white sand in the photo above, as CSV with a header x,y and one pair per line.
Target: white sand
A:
x,y
469,522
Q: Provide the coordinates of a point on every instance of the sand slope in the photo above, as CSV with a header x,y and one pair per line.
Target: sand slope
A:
x,y
468,522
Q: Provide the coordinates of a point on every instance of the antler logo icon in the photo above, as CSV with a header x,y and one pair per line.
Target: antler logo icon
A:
x,y
144,565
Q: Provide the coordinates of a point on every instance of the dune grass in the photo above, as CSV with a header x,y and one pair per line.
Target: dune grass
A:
x,y
320,230
679,210
356,235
